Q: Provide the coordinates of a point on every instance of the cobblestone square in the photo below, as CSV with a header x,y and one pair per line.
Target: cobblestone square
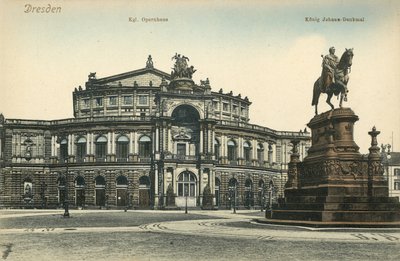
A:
x,y
173,235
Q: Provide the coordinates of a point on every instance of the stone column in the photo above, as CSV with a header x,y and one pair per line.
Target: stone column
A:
x,y
201,139
169,139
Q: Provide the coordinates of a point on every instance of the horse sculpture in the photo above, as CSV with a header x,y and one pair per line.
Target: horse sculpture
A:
x,y
339,85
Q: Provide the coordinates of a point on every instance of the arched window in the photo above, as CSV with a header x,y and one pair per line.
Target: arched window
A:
x,y
260,153
79,181
186,184
100,182
233,184
101,148
216,149
63,150
185,114
122,181
247,151
144,147
231,150
80,149
144,182
270,151
122,148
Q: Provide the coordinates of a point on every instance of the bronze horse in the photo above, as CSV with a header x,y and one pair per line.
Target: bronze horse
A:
x,y
339,86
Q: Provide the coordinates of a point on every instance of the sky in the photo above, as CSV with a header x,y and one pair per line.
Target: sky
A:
x,y
265,50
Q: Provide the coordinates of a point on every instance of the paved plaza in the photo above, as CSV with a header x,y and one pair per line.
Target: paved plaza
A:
x,y
174,235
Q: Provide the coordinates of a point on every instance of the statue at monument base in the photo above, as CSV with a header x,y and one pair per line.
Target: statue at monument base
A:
x,y
335,184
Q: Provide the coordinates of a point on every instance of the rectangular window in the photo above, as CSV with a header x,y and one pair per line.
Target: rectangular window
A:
x,y
99,101
80,152
122,151
181,149
113,100
180,189
397,185
127,100
63,152
101,148
215,105
143,100
192,190
86,103
234,108
225,106
243,111
397,172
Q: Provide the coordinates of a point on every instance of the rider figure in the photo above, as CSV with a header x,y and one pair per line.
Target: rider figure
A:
x,y
329,64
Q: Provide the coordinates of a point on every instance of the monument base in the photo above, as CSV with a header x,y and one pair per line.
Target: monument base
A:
x,y
335,183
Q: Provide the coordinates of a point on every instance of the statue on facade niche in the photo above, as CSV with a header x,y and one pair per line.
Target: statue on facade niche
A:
x,y
334,77
181,68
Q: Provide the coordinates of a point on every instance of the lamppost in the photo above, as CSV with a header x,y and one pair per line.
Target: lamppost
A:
x,y
66,210
262,197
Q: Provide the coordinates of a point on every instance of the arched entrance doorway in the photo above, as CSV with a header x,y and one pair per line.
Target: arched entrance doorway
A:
x,y
144,192
233,187
122,194
100,187
248,190
185,132
187,189
80,191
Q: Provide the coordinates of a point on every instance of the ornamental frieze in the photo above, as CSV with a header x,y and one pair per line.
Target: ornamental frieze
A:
x,y
332,168
121,132
355,169
375,168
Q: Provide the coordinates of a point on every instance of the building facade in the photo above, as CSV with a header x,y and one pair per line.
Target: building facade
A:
x,y
391,163
145,139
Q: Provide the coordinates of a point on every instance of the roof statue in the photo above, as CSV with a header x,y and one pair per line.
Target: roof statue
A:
x,y
149,63
181,68
334,77
92,76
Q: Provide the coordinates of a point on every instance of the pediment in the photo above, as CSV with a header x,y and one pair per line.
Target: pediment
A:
x,y
142,77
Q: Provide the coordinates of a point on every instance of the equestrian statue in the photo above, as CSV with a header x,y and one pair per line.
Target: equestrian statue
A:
x,y
334,77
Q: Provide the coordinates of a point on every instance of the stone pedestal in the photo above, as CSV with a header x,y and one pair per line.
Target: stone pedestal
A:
x,y
335,183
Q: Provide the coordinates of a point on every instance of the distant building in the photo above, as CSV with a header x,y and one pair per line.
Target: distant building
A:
x,y
391,162
145,139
